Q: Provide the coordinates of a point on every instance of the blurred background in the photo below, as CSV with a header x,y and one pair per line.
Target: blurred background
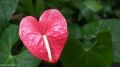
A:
x,y
93,27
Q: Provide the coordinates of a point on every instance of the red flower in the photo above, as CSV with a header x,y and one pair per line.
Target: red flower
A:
x,y
45,38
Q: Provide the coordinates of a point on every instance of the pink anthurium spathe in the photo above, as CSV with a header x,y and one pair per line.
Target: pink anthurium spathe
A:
x,y
45,38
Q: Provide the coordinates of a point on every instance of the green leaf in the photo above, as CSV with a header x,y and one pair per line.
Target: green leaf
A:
x,y
117,12
25,59
112,25
88,33
93,5
67,12
28,7
74,31
77,3
89,15
39,6
98,55
7,8
7,40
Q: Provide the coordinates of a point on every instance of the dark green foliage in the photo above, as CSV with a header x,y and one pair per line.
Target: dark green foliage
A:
x,y
93,27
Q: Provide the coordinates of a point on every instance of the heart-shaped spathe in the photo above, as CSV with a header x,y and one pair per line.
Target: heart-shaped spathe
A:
x,y
45,38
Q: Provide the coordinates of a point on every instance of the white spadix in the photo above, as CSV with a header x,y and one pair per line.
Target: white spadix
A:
x,y
47,47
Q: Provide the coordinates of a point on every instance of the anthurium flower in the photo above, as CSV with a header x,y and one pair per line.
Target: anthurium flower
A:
x,y
45,38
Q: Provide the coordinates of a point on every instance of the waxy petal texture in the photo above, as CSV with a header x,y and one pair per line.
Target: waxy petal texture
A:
x,y
45,38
